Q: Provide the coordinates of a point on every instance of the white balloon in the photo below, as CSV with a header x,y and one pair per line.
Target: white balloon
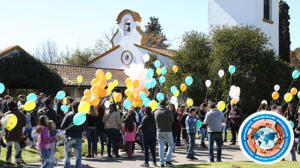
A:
x,y
174,101
276,87
107,104
208,83
264,102
146,57
221,73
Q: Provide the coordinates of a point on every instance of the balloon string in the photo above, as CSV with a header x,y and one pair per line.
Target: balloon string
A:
x,y
206,95
218,90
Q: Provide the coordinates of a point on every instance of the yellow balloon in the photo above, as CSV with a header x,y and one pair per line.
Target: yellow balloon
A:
x,y
108,92
221,105
65,100
84,107
175,68
128,82
233,101
158,71
114,94
111,86
288,97
108,75
153,105
189,102
79,79
30,105
12,122
115,83
176,93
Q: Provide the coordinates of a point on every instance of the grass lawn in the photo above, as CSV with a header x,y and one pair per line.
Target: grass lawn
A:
x,y
282,164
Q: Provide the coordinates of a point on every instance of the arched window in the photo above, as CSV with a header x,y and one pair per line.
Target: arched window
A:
x,y
127,27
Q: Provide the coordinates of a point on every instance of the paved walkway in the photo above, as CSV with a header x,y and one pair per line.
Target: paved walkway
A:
x,y
229,153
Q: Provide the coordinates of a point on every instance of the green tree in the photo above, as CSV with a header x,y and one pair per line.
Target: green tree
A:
x,y
154,34
284,31
78,57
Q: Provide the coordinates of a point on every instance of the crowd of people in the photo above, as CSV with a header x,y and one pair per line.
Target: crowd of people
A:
x,y
122,129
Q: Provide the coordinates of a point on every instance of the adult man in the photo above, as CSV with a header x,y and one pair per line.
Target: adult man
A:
x,y
21,101
73,137
7,99
234,122
164,120
213,120
48,111
14,136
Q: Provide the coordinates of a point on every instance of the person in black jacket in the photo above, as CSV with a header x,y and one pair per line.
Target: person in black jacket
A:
x,y
183,127
48,111
91,133
226,113
100,125
202,114
234,122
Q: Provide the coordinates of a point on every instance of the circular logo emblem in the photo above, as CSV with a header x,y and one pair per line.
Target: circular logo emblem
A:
x,y
266,137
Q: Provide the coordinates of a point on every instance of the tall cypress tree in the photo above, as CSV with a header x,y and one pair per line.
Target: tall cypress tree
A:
x,y
155,36
284,31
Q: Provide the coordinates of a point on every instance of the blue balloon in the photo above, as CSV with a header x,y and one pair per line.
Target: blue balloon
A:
x,y
152,83
127,104
163,70
64,108
198,124
231,69
160,96
157,64
292,124
189,80
31,97
2,88
146,101
150,73
162,79
147,84
60,95
295,74
298,95
173,89
143,95
79,118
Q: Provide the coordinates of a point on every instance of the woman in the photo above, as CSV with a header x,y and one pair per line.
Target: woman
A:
x,y
112,125
100,125
202,113
291,114
91,133
149,136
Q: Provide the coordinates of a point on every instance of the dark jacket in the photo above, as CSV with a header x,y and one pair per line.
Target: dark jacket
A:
x,y
202,114
182,121
148,125
16,133
72,130
4,106
164,119
236,121
49,112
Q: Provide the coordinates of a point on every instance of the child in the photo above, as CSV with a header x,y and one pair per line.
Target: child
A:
x,y
44,140
130,132
53,132
190,123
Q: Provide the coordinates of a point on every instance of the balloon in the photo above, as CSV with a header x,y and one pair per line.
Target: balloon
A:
x,y
146,101
157,64
2,88
183,87
31,97
87,93
288,97
176,93
153,105
221,105
298,95
143,95
162,79
231,69
60,95
233,101
115,83
79,79
85,99
292,124
65,100
64,108
29,106
152,83
95,89
94,81
149,73
163,70
136,84
84,107
294,91
127,104
108,75
12,122
207,83
264,102
147,85
119,97
95,101
106,104
79,119
158,71
173,89
276,87
189,80
189,102
221,73
198,124
175,68
127,92
128,82
110,86
223,124
100,75
160,96
295,74
275,95
146,58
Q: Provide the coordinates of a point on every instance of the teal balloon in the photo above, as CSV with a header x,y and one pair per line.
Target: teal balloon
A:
x,y
292,124
64,108
143,95
231,69
60,95
162,79
298,95
147,84
127,104
2,88
146,101
189,80
160,96
198,124
295,74
31,97
173,89
150,73
163,70
157,64
79,119
152,83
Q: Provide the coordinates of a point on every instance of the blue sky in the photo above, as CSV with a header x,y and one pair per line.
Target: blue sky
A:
x,y
79,23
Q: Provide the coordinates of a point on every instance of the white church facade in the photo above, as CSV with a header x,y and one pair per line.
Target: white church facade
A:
x,y
263,14
129,45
